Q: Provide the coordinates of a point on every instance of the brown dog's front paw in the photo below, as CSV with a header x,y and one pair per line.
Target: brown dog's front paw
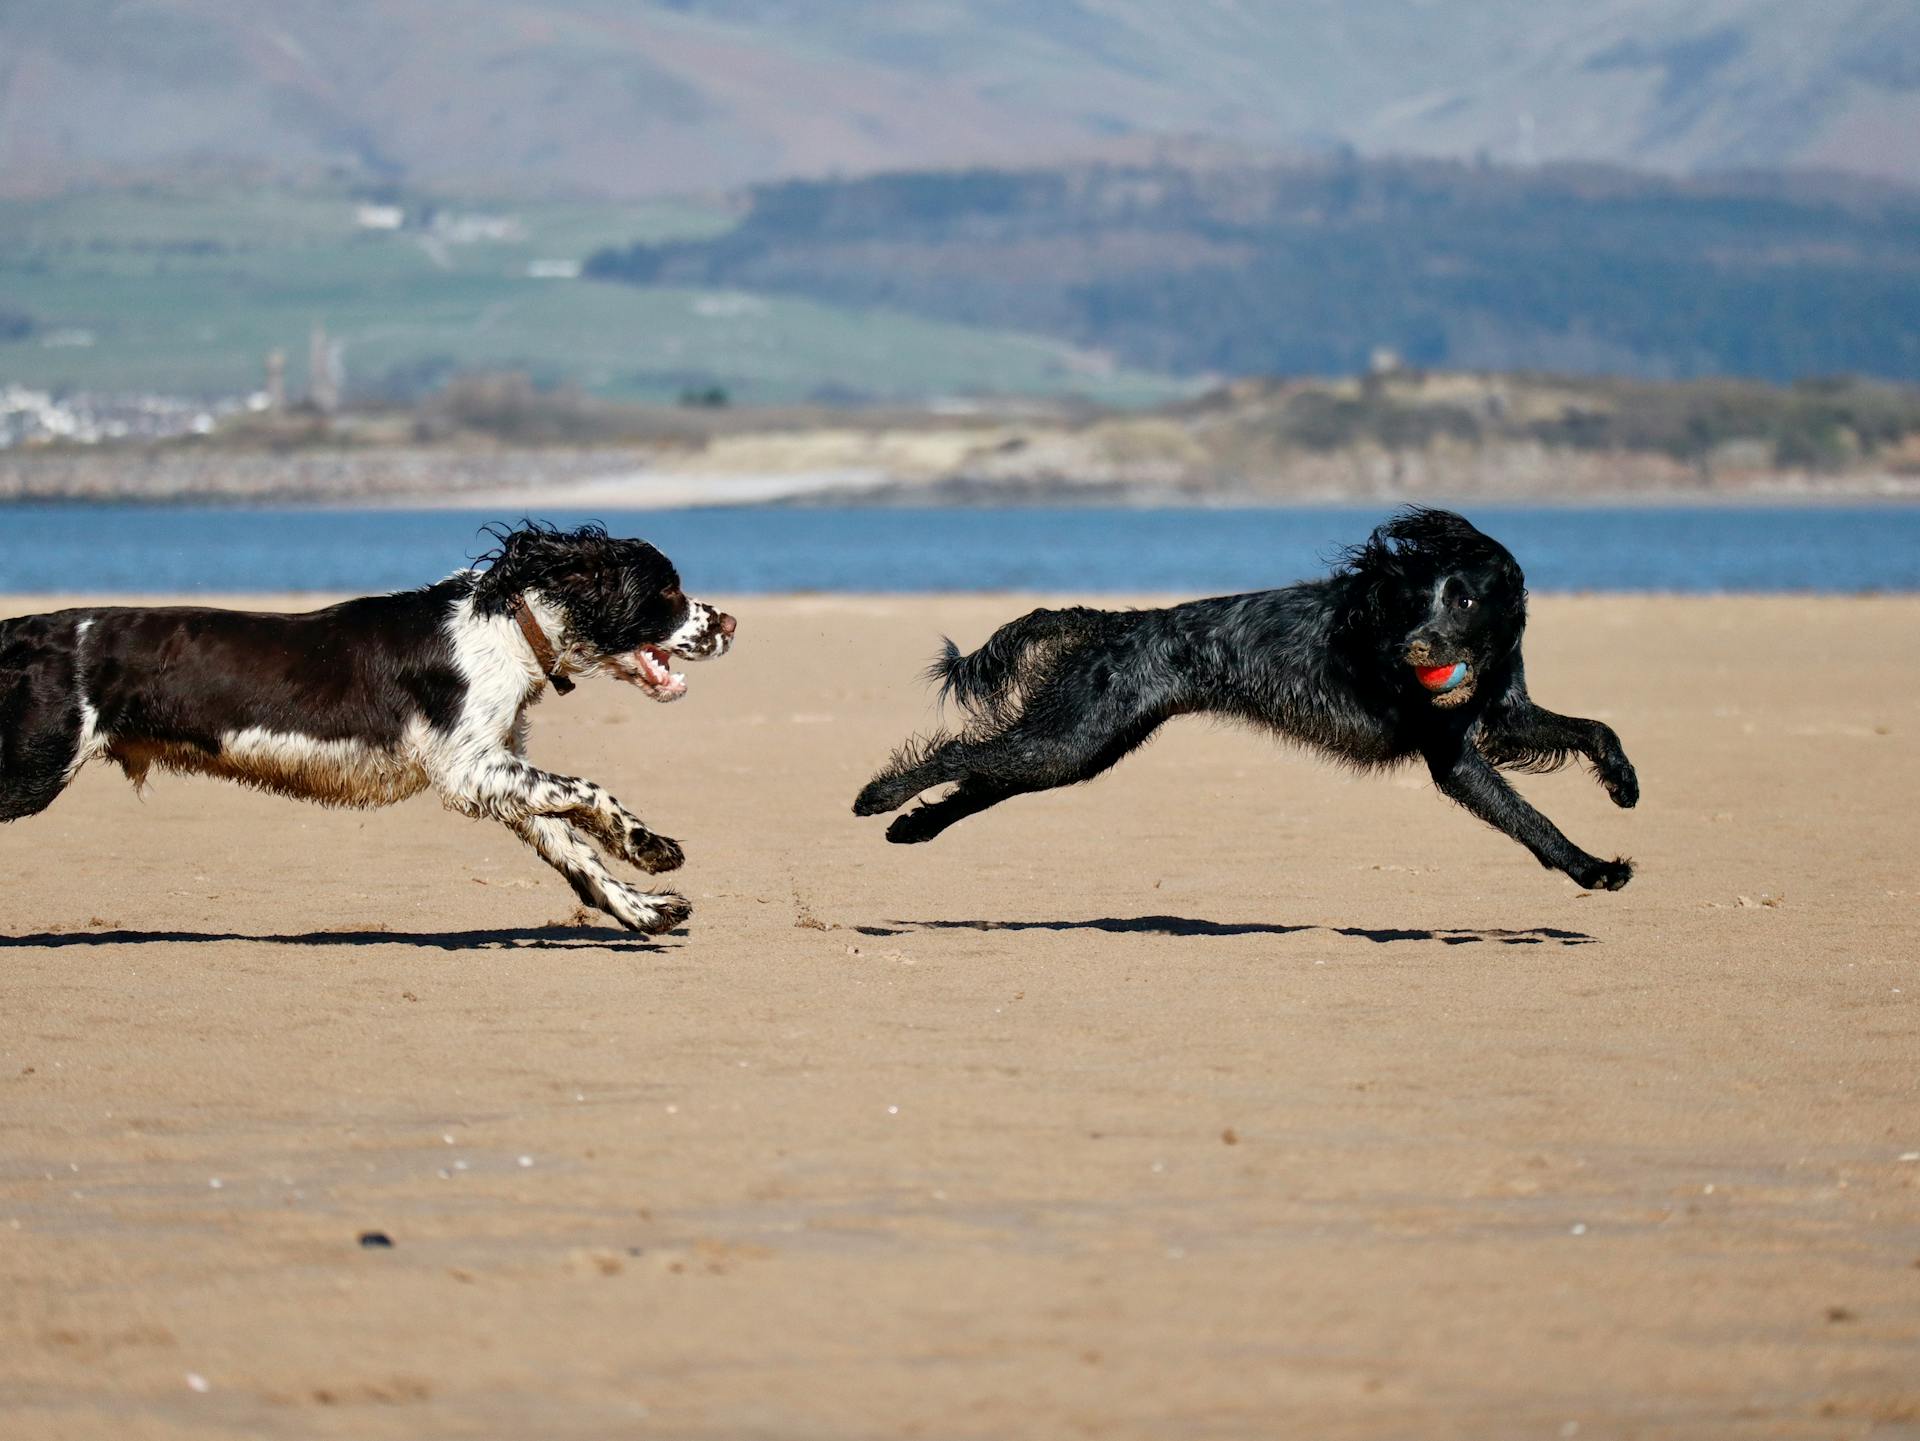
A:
x,y
650,915
654,853
669,910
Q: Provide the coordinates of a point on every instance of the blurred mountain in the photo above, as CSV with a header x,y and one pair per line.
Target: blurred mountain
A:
x,y
634,98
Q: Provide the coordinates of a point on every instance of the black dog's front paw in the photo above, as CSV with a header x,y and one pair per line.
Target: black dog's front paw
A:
x,y
914,827
654,853
1623,785
1605,875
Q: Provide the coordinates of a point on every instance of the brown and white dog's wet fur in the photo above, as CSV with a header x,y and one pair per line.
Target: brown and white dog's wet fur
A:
x,y
374,700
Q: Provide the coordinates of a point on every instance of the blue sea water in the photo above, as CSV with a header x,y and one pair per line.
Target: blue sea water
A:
x,y
101,549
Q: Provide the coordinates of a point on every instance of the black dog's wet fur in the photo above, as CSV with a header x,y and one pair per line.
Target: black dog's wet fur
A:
x,y
1058,696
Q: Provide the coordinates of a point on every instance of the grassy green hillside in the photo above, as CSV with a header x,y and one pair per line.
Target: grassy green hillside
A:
x,y
186,294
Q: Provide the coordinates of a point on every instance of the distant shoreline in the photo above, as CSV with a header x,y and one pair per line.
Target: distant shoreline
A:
x,y
1383,438
584,479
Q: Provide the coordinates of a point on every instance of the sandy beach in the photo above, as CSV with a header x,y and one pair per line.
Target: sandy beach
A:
x,y
1230,1096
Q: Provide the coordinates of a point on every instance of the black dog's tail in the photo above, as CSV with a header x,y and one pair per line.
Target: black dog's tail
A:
x,y
988,682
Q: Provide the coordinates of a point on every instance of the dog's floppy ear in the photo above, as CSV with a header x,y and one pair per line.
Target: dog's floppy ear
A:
x,y
1373,556
1398,544
1383,555
1381,568
1390,564
531,556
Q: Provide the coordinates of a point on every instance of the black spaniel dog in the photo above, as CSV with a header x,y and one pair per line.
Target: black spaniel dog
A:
x,y
1411,648
372,701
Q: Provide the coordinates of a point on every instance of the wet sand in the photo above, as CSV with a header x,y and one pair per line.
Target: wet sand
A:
x,y
1230,1096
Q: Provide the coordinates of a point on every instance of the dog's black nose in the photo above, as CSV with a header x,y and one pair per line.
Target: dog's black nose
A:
x,y
727,623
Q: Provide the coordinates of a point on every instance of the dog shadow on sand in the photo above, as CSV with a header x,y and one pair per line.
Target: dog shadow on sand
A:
x,y
526,938
560,937
1189,926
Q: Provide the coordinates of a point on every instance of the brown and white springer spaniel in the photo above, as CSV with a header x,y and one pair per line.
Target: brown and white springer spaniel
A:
x,y
371,701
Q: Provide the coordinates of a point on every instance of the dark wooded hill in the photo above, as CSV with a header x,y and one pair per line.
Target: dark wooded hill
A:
x,y
1310,267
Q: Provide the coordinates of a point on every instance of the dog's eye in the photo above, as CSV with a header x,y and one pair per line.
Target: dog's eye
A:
x,y
1464,602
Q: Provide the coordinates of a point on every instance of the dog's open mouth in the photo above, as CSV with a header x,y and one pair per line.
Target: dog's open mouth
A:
x,y
651,668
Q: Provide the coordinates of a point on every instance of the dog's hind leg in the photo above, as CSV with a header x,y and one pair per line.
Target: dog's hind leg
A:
x,y
563,848
923,823
1039,752
919,766
1042,652
27,795
41,748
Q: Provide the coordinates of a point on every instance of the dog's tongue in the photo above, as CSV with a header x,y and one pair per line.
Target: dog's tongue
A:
x,y
1440,677
656,672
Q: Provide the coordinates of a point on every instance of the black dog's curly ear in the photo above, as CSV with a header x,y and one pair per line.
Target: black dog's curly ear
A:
x,y
1388,560
1412,530
1378,558
1373,555
1383,566
1380,554
1426,527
